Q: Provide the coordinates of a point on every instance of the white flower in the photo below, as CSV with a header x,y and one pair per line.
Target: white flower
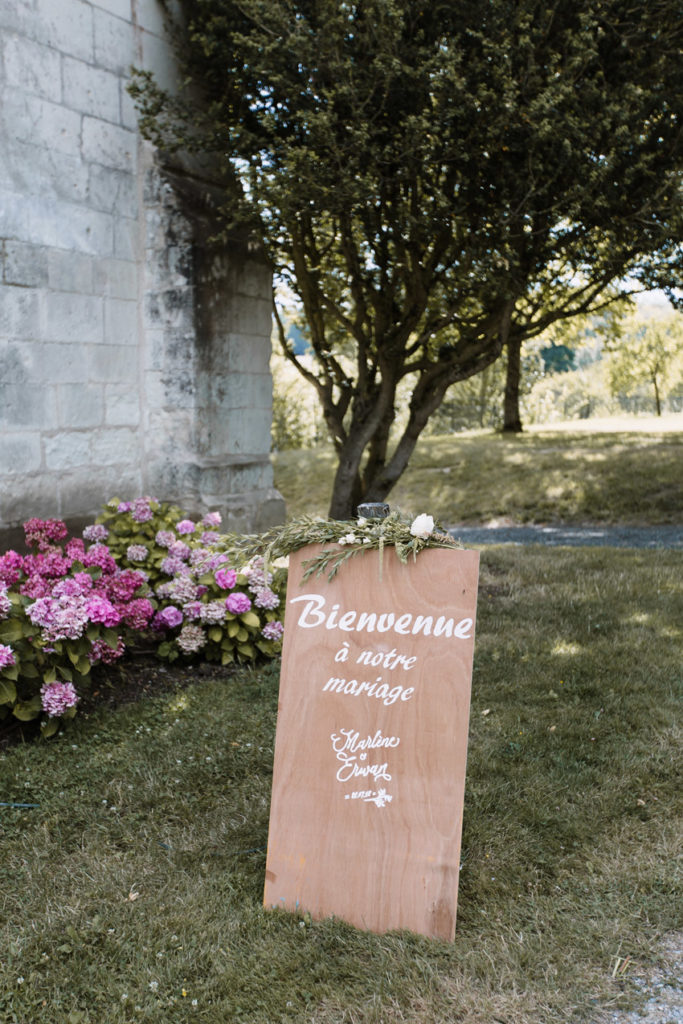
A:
x,y
422,527
362,520
350,538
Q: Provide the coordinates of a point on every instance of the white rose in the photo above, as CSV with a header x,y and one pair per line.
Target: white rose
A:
x,y
422,527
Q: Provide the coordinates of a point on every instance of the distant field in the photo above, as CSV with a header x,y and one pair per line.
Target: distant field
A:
x,y
609,471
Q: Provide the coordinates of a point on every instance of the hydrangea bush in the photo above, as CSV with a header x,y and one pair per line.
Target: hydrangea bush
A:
x,y
143,570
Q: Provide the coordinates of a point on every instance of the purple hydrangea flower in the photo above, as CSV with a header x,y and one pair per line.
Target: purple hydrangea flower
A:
x,y
185,526
212,519
237,603
136,553
266,598
5,603
57,698
96,532
273,630
168,618
164,538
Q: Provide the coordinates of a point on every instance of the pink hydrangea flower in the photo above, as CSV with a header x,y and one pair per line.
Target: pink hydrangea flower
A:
x,y
138,613
101,651
210,537
185,526
99,555
141,511
57,698
136,552
164,538
225,578
6,657
212,519
273,630
168,618
11,567
5,603
237,603
99,609
44,533
179,549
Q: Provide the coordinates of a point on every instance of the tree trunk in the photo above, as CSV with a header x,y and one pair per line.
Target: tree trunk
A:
x,y
512,423
658,403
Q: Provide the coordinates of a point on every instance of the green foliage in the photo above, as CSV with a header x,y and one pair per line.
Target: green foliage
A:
x,y
429,178
651,357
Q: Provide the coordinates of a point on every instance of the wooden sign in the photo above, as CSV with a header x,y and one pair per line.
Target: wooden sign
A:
x,y
371,741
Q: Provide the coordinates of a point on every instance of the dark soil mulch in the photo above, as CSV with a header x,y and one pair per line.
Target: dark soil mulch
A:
x,y
137,677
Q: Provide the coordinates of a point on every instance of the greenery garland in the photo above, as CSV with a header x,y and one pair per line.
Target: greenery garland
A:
x,y
342,540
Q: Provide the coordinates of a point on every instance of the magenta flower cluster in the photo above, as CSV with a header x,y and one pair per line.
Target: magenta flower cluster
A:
x,y
56,698
84,607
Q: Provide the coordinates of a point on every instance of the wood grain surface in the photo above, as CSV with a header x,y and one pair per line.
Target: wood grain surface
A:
x,y
371,742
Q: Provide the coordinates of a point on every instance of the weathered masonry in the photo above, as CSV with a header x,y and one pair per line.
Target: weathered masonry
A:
x,y
134,358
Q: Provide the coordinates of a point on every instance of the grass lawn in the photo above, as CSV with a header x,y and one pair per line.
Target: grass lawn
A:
x,y
132,892
623,471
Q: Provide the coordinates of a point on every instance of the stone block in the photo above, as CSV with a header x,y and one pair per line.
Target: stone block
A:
x,y
113,191
118,278
87,495
66,25
73,317
91,90
158,57
239,391
121,322
68,226
38,121
115,47
125,239
32,68
25,495
108,144
15,362
111,364
244,432
70,271
80,405
116,445
24,265
120,8
58,362
121,406
67,450
20,453
129,114
27,405
36,171
246,354
19,312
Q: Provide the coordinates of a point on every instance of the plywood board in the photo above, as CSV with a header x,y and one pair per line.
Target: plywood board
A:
x,y
371,741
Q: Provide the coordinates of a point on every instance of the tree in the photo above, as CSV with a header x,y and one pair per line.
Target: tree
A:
x,y
431,179
563,336
651,355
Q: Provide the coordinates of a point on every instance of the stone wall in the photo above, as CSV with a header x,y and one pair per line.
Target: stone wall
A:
x,y
134,359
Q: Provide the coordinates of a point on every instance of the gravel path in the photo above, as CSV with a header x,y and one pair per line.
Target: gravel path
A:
x,y
661,985
574,536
